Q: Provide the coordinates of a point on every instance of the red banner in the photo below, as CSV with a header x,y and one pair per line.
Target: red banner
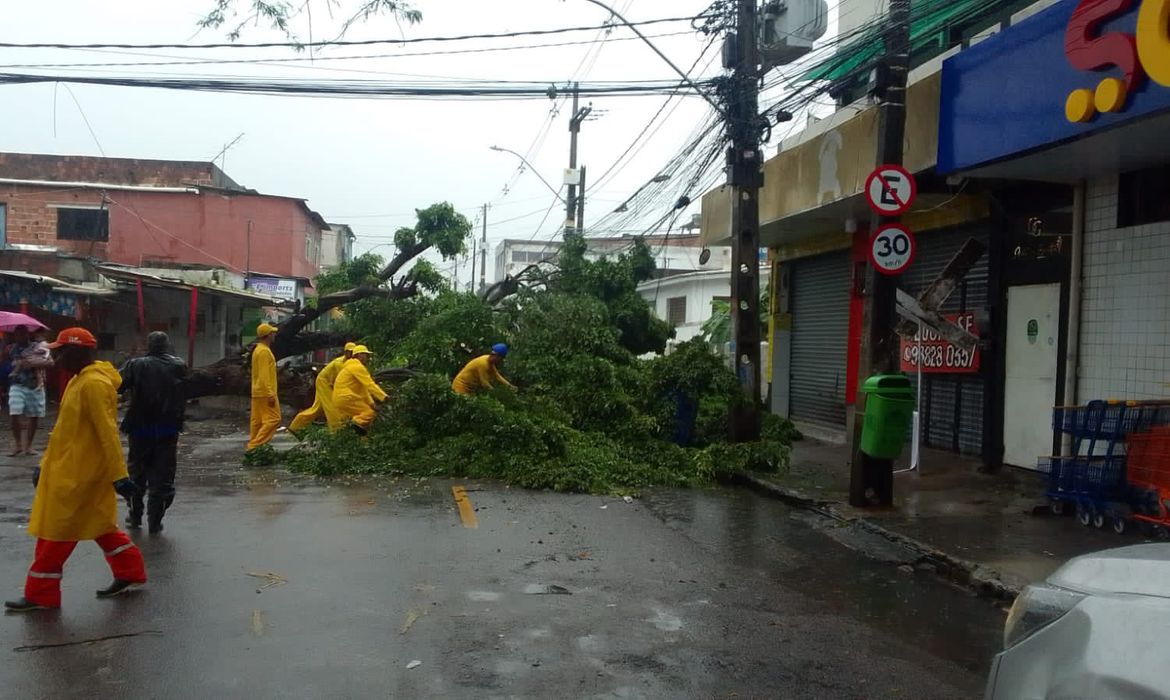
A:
x,y
938,355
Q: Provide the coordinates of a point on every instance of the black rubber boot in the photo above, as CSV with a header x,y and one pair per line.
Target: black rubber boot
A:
x,y
23,605
118,587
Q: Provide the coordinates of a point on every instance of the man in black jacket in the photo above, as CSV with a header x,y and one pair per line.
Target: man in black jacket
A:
x,y
153,423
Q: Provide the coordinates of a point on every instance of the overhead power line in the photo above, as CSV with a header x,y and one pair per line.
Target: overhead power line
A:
x,y
356,42
318,58
356,88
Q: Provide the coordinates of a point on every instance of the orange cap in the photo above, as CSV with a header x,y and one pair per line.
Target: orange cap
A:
x,y
74,336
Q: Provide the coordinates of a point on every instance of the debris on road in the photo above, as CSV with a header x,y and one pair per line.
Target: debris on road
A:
x,y
411,618
552,589
413,665
79,642
271,578
628,499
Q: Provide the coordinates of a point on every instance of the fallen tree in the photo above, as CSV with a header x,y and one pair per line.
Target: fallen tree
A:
x,y
591,413
439,228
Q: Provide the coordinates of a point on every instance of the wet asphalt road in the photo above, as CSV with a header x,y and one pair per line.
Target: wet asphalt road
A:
x,y
714,593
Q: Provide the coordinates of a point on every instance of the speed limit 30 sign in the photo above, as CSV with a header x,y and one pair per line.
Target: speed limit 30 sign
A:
x,y
891,250
890,190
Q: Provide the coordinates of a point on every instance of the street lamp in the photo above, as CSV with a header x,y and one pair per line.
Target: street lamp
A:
x,y
534,171
654,180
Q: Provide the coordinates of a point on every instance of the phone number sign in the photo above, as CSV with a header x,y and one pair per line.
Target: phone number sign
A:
x,y
939,356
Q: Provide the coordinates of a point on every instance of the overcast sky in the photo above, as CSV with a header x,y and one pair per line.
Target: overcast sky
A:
x,y
367,163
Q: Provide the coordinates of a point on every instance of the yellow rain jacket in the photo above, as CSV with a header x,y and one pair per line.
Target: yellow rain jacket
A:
x,y
75,497
323,399
478,375
354,394
263,372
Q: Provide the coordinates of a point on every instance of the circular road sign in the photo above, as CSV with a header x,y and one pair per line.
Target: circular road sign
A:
x,y
890,190
891,250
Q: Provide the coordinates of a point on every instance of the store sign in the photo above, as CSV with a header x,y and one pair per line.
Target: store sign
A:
x,y
274,287
938,355
1076,68
1090,46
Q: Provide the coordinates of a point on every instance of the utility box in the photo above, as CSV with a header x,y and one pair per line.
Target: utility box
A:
x,y
889,410
788,29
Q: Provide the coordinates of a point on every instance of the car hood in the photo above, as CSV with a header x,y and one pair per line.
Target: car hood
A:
x,y
1142,569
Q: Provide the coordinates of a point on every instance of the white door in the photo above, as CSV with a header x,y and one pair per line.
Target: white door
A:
x,y
1033,327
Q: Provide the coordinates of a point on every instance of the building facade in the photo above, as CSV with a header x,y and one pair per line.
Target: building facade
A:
x,y
1093,122
126,247
815,221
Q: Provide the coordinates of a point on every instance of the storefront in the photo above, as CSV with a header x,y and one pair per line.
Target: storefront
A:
x,y
1087,106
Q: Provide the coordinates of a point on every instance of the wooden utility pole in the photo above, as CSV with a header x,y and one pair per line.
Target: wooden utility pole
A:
x,y
745,178
879,341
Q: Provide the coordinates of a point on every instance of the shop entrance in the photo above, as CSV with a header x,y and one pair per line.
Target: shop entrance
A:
x,y
1031,362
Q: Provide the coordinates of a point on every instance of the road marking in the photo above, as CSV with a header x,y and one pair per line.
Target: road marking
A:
x,y
466,512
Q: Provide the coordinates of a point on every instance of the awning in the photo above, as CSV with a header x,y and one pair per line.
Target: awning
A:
x,y
129,276
56,285
931,23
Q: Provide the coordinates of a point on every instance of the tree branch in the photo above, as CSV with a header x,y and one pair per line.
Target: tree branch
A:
x,y
403,288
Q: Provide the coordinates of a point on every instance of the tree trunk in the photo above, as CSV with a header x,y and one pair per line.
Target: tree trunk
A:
x,y
232,376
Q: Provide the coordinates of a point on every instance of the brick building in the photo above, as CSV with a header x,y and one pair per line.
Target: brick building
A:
x,y
130,246
154,213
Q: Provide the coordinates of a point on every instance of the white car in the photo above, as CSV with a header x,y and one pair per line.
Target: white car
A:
x,y
1097,628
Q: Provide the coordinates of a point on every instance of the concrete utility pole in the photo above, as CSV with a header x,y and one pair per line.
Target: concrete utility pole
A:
x,y
879,342
578,116
745,178
482,254
581,205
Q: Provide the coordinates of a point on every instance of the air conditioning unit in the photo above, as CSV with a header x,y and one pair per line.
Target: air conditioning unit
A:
x,y
788,29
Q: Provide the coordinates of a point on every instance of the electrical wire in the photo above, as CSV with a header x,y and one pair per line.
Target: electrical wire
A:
x,y
346,42
281,62
352,88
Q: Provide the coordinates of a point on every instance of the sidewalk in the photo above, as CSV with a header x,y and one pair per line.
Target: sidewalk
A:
x,y
982,530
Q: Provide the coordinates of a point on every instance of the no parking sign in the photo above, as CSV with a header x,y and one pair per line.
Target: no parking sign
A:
x,y
890,190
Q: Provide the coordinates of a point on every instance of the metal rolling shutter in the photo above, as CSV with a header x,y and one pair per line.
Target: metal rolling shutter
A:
x,y
820,333
952,404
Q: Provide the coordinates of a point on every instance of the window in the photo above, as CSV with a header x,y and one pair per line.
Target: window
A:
x,y
83,224
1141,197
529,256
519,256
676,311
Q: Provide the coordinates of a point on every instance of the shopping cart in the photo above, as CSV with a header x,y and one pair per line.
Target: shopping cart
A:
x,y
1092,478
1149,478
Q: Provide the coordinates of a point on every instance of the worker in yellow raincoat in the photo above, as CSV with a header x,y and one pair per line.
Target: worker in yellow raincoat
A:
x,y
355,393
323,399
265,403
81,474
482,373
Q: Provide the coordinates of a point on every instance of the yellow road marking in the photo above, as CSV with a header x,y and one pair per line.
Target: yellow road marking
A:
x,y
466,512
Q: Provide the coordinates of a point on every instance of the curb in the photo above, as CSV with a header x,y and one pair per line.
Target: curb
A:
x,y
980,579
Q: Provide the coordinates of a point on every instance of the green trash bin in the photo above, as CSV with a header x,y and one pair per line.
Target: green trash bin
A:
x,y
889,409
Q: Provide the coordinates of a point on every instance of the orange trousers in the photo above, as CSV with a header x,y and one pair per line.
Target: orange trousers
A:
x,y
43,585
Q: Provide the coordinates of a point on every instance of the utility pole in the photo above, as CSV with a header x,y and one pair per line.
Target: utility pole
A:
x,y
879,342
474,258
745,178
248,258
482,254
581,205
578,116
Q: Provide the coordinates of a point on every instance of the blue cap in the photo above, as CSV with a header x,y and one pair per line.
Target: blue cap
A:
x,y
500,349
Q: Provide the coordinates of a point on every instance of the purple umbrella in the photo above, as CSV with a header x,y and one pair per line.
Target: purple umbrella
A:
x,y
10,321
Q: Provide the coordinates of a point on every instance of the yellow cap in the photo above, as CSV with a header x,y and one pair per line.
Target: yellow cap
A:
x,y
265,329
361,350
350,346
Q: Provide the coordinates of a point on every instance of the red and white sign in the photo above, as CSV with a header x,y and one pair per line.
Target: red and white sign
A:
x,y
891,250
939,356
890,190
